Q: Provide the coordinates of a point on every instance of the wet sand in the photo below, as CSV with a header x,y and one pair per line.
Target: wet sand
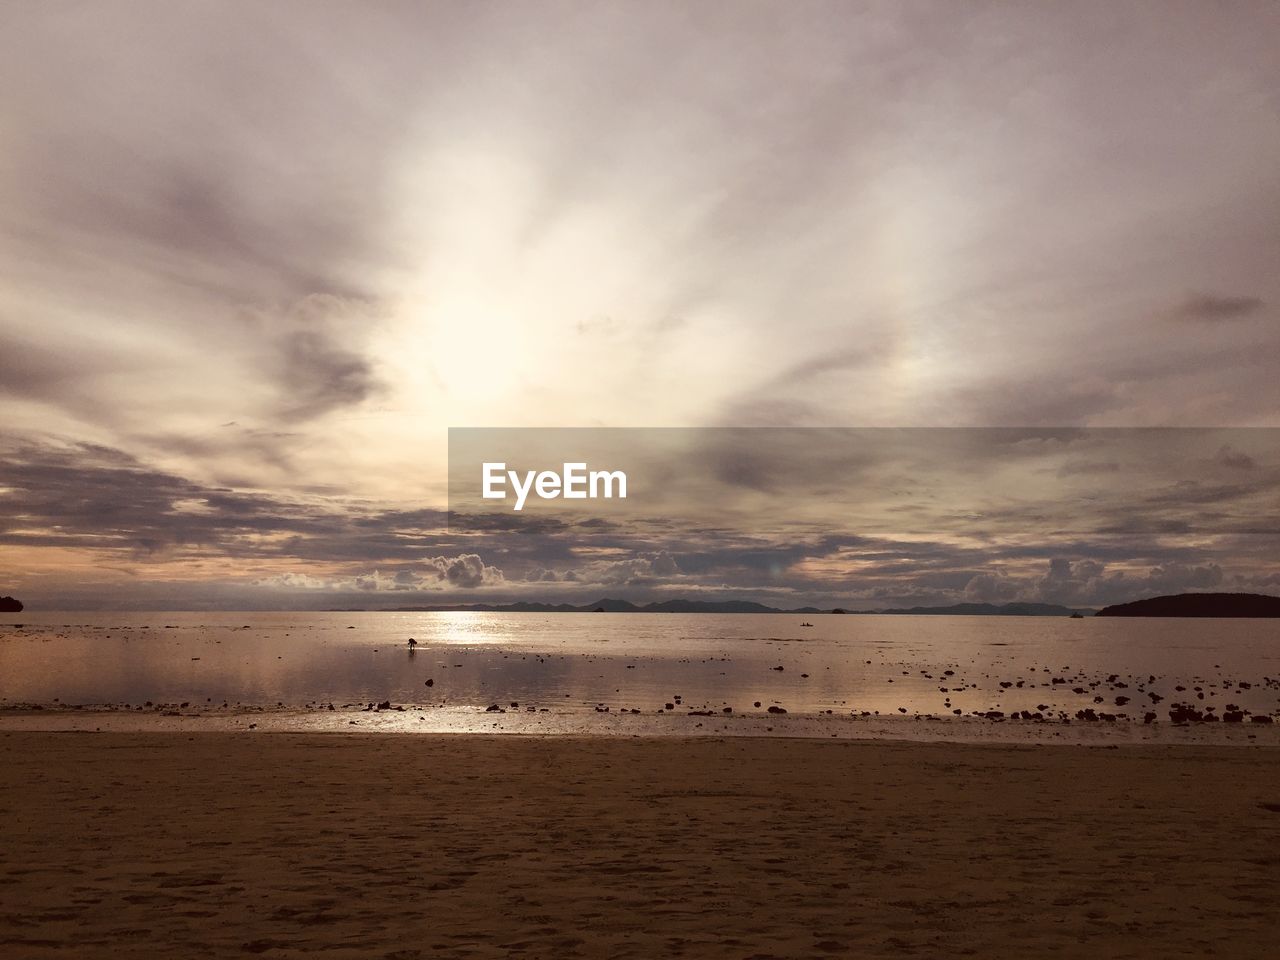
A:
x,y
418,719
433,846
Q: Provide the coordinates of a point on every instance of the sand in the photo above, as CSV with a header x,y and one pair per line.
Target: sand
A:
x,y
379,846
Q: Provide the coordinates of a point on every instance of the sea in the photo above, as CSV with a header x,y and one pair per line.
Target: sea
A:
x,y
643,673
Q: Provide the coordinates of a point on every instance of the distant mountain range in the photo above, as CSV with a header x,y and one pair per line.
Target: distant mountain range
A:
x,y
621,606
608,605
1181,605
1232,605
993,610
1198,605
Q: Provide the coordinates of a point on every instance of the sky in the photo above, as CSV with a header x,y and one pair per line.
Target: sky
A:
x,y
257,259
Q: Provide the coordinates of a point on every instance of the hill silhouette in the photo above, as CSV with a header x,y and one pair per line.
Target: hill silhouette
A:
x,y
993,610
10,605
610,605
613,605
1198,605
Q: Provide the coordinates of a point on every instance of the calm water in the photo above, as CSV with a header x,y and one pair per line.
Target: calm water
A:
x,y
581,662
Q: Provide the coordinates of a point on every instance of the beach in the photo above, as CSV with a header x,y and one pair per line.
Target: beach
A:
x,y
212,844
639,480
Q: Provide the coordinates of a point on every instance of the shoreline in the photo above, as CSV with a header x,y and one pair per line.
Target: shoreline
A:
x,y
426,721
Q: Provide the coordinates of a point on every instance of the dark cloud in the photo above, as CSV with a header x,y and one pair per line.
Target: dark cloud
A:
x,y
991,588
256,444
68,375
1045,398
212,156
1086,467
313,354
830,361
320,374
98,498
35,371
1228,456
1213,308
110,503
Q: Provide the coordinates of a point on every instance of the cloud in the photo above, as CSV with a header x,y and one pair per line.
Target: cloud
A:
x,y
991,588
1215,308
1176,577
658,567
663,565
1235,459
1087,467
318,367
1091,582
1068,581
112,508
467,571
294,581
104,501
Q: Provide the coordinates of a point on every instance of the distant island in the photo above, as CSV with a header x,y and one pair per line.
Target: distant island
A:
x,y
10,605
1198,605
609,605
